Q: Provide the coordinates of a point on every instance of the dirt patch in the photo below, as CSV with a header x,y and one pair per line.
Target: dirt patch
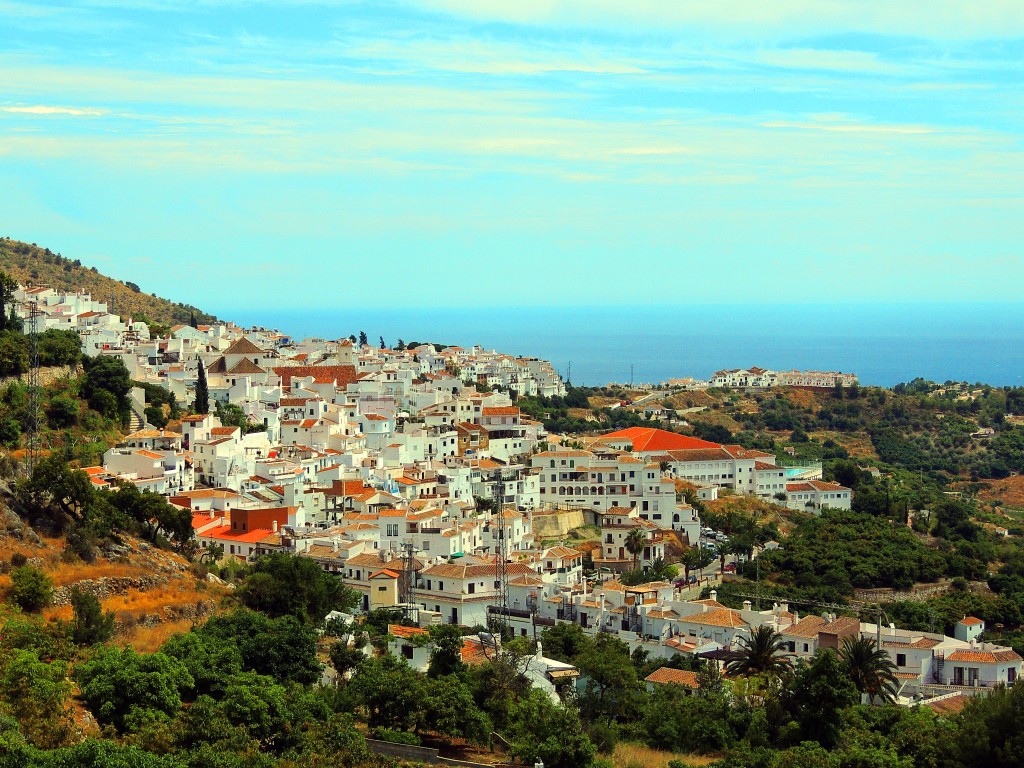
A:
x,y
1008,491
629,755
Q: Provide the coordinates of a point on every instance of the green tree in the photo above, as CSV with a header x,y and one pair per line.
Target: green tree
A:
x,y
391,692
8,285
611,685
445,651
31,589
202,396
284,584
282,648
59,347
543,731
37,696
451,711
818,695
90,624
764,651
635,542
992,729
362,338
127,689
870,668
106,386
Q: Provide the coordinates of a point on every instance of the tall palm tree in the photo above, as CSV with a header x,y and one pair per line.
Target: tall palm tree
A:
x,y
763,651
870,668
721,551
636,540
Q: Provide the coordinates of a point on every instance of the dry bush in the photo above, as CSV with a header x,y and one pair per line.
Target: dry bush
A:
x,y
631,755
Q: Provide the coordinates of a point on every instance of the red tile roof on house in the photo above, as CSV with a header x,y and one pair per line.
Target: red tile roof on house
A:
x,y
669,676
506,410
396,630
970,621
339,375
243,347
645,439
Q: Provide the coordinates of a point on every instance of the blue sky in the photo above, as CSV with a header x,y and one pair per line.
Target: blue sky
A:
x,y
468,152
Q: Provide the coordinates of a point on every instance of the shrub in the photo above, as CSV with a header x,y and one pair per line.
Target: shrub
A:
x,y
396,737
32,589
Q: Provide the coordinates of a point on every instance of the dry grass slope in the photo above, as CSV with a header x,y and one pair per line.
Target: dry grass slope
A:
x,y
28,263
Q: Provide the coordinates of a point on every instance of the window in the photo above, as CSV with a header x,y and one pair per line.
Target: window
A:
x,y
407,651
472,588
901,659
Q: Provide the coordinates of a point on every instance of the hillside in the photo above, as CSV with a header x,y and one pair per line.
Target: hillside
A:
x,y
28,263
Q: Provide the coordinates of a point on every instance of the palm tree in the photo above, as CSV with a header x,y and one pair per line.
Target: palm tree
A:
x,y
870,668
763,651
636,540
721,551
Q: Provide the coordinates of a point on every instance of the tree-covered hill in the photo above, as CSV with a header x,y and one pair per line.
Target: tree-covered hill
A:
x,y
29,263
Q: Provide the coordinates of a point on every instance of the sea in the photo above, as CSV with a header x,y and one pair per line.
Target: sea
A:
x,y
595,345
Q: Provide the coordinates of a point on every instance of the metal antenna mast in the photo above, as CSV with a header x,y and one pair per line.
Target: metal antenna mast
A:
x,y
33,386
501,553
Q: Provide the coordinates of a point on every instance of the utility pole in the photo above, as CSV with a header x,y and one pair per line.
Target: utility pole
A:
x,y
501,553
33,387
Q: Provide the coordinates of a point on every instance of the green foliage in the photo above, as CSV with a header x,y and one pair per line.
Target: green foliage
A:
x,y
284,584
762,652
60,348
992,729
90,624
549,733
832,554
106,386
283,648
37,695
127,690
202,393
31,589
445,651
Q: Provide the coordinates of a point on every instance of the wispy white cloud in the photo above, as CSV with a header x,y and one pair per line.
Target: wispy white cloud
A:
x,y
42,109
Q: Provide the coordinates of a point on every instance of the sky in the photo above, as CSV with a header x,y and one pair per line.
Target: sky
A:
x,y
457,153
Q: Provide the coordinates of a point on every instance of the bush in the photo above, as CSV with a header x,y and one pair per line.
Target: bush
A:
x,y
18,560
397,737
32,589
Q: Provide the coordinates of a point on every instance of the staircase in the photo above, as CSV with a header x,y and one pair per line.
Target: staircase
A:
x,y
136,421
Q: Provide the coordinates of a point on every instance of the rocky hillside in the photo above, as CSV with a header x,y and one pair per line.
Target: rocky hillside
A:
x,y
28,263
151,592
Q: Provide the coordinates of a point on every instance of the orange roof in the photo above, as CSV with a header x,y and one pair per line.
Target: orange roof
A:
x,y
970,621
385,573
648,439
721,617
667,675
340,375
984,657
149,454
506,410
396,630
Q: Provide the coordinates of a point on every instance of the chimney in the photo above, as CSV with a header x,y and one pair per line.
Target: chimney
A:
x,y
785,607
274,526
714,595
746,605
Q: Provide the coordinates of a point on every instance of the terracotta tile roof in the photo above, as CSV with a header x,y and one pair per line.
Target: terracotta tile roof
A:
x,y
473,652
375,417
970,621
721,617
739,452
386,573
646,439
451,570
983,657
505,410
243,347
807,627
222,431
246,365
669,676
148,454
946,707
397,630
340,375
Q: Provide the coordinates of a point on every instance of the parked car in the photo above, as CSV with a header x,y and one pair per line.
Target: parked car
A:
x,y
729,568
